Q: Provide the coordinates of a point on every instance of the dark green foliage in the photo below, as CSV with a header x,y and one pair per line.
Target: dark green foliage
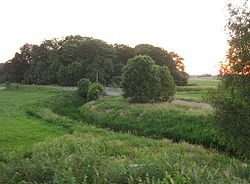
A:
x,y
123,54
74,72
52,72
143,81
166,89
83,87
232,103
95,91
62,75
179,78
232,99
39,64
163,58
89,91
139,80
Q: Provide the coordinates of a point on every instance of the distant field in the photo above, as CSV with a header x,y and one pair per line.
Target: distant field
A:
x,y
195,96
208,82
195,89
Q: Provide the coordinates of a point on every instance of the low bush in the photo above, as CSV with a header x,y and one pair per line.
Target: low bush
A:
x,y
83,87
166,89
95,91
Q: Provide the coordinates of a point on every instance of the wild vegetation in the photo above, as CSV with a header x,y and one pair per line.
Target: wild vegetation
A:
x,y
232,98
87,154
88,90
51,135
159,120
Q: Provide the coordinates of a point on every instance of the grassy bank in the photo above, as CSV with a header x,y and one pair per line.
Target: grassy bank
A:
x,y
160,120
19,130
92,155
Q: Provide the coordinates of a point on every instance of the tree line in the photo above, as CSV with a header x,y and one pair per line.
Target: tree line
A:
x,y
65,61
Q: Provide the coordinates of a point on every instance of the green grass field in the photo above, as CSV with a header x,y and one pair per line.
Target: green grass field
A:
x,y
19,130
196,89
208,82
47,141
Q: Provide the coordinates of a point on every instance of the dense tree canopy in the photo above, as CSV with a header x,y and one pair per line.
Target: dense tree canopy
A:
x,y
163,57
65,61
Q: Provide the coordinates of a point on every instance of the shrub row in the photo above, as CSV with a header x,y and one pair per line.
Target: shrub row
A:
x,y
88,90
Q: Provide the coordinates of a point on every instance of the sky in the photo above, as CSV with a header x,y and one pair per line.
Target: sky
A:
x,y
194,29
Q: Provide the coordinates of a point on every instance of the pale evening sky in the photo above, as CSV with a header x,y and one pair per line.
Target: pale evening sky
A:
x,y
192,28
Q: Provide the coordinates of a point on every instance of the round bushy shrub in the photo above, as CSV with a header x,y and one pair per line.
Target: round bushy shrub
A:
x,y
95,90
139,80
167,87
143,81
83,87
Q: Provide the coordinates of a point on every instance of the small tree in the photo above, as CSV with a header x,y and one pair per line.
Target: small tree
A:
x,y
232,98
139,79
83,87
95,91
143,81
166,88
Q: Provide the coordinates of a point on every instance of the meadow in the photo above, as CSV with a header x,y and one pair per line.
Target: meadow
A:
x,y
19,131
47,139
196,89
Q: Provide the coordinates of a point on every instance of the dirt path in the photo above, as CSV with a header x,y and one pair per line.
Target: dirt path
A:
x,y
113,91
118,92
191,103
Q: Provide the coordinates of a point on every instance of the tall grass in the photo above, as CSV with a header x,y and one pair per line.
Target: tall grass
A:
x,y
93,155
160,120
